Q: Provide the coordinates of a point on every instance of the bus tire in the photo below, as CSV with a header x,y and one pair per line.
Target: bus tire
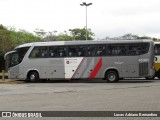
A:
x,y
33,76
111,76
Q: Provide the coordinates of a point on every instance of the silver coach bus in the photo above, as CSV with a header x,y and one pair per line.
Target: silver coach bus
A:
x,y
111,60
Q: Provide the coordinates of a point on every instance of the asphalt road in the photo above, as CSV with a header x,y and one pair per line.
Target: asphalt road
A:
x,y
82,95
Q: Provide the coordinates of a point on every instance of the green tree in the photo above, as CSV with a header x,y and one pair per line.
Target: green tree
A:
x,y
64,37
51,36
5,41
10,38
71,34
145,37
22,36
80,34
40,33
130,36
5,44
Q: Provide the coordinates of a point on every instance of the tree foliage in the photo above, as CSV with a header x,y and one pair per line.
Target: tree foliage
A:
x,y
80,34
5,41
71,34
64,37
22,36
130,36
40,33
10,38
51,36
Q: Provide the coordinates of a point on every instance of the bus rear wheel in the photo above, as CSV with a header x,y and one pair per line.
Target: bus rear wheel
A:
x,y
111,76
33,77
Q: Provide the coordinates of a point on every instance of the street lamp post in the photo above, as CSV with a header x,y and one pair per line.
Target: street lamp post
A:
x,y
85,4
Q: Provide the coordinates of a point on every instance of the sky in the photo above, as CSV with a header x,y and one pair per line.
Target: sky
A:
x,y
106,18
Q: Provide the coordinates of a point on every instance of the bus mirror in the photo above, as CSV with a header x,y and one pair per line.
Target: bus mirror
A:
x,y
5,56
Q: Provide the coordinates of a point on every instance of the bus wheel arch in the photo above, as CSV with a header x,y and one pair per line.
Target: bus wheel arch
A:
x,y
111,75
33,76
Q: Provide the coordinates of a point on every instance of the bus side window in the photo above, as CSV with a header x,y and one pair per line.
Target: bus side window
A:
x,y
122,50
92,50
62,51
44,52
101,50
72,51
133,49
157,49
81,50
143,48
113,49
53,51
117,49
39,52
34,53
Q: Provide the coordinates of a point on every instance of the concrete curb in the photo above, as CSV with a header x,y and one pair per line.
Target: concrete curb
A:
x,y
8,81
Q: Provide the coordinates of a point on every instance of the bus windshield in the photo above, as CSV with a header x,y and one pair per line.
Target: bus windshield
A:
x,y
15,57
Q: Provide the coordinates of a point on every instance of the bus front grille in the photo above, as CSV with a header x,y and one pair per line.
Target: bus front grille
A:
x,y
143,69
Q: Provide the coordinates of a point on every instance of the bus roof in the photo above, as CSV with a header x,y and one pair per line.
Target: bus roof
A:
x,y
81,42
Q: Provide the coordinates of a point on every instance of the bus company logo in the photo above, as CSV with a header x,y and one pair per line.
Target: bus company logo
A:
x,y
6,114
67,62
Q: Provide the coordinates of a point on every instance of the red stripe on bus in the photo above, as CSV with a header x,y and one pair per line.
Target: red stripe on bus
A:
x,y
96,69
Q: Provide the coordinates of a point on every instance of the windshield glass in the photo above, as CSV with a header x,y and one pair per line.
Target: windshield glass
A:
x,y
17,56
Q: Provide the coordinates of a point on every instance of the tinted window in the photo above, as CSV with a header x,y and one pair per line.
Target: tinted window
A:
x,y
14,59
21,53
53,52
91,50
72,51
57,51
114,49
39,52
157,49
81,50
128,49
133,49
17,56
61,51
138,49
101,50
86,50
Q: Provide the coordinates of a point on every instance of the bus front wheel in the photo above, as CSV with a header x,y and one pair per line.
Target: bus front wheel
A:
x,y
33,76
111,76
